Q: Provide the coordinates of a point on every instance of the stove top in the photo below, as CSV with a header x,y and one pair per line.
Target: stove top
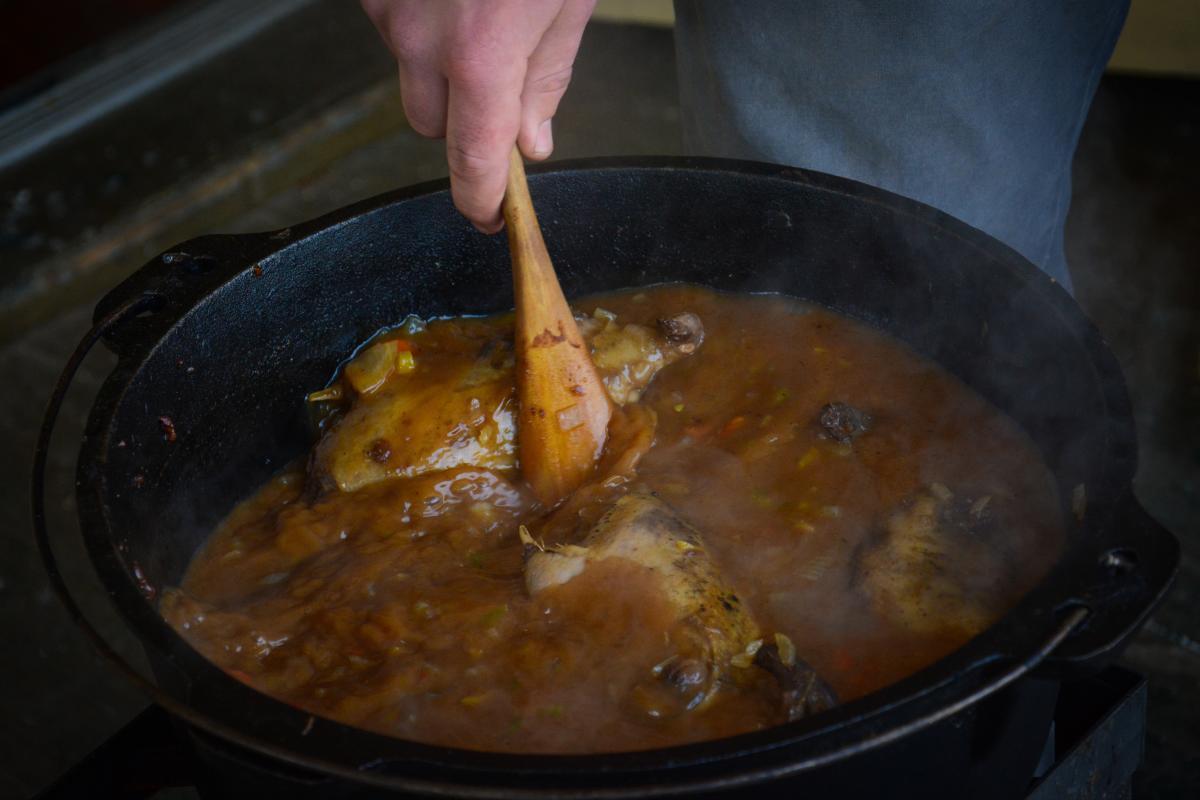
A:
x,y
1095,745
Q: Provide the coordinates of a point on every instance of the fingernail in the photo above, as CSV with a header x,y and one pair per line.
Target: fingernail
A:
x,y
545,140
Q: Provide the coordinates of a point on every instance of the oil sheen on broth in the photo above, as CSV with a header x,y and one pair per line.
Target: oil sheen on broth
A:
x,y
792,510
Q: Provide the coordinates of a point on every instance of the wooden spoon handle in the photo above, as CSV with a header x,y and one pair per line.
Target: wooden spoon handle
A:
x,y
564,407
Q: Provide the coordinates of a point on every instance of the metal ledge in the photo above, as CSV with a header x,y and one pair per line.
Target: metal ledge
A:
x,y
134,70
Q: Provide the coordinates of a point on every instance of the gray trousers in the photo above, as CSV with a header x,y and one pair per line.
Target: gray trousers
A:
x,y
971,106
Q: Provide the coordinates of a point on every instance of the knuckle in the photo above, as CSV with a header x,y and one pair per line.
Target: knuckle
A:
x,y
555,82
408,45
467,69
468,164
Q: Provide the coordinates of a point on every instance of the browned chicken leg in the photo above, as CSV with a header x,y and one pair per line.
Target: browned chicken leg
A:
x,y
938,566
715,636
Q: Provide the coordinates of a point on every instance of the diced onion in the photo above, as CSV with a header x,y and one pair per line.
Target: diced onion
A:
x,y
328,393
787,650
370,368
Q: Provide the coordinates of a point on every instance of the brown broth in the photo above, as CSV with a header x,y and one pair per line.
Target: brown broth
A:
x,y
402,608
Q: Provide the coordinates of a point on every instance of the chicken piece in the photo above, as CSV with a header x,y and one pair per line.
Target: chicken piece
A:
x,y
460,413
714,632
937,568
459,416
629,356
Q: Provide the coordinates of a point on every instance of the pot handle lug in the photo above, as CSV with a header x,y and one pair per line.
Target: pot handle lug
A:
x,y
126,313
180,277
115,319
1133,569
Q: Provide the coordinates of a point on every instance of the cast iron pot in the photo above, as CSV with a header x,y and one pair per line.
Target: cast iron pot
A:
x,y
223,335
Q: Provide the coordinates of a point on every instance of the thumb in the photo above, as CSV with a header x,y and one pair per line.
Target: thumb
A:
x,y
547,75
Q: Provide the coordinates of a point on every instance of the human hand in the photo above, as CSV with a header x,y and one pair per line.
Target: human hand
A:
x,y
483,74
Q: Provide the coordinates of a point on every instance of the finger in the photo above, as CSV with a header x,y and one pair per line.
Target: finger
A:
x,y
483,115
423,95
548,75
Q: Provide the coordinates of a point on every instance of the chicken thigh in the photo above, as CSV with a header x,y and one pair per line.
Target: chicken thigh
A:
x,y
451,410
714,636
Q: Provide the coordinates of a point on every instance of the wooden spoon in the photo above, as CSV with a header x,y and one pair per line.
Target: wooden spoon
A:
x,y
564,407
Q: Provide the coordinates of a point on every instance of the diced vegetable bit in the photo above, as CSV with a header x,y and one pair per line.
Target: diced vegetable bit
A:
x,y
679,408
476,560
371,367
781,396
406,362
762,499
940,491
244,677
527,539
844,661
735,424
472,700
808,459
328,394
553,711
378,362
787,650
742,660
493,616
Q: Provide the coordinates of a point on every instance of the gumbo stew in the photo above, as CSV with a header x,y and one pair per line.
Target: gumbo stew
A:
x,y
792,510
